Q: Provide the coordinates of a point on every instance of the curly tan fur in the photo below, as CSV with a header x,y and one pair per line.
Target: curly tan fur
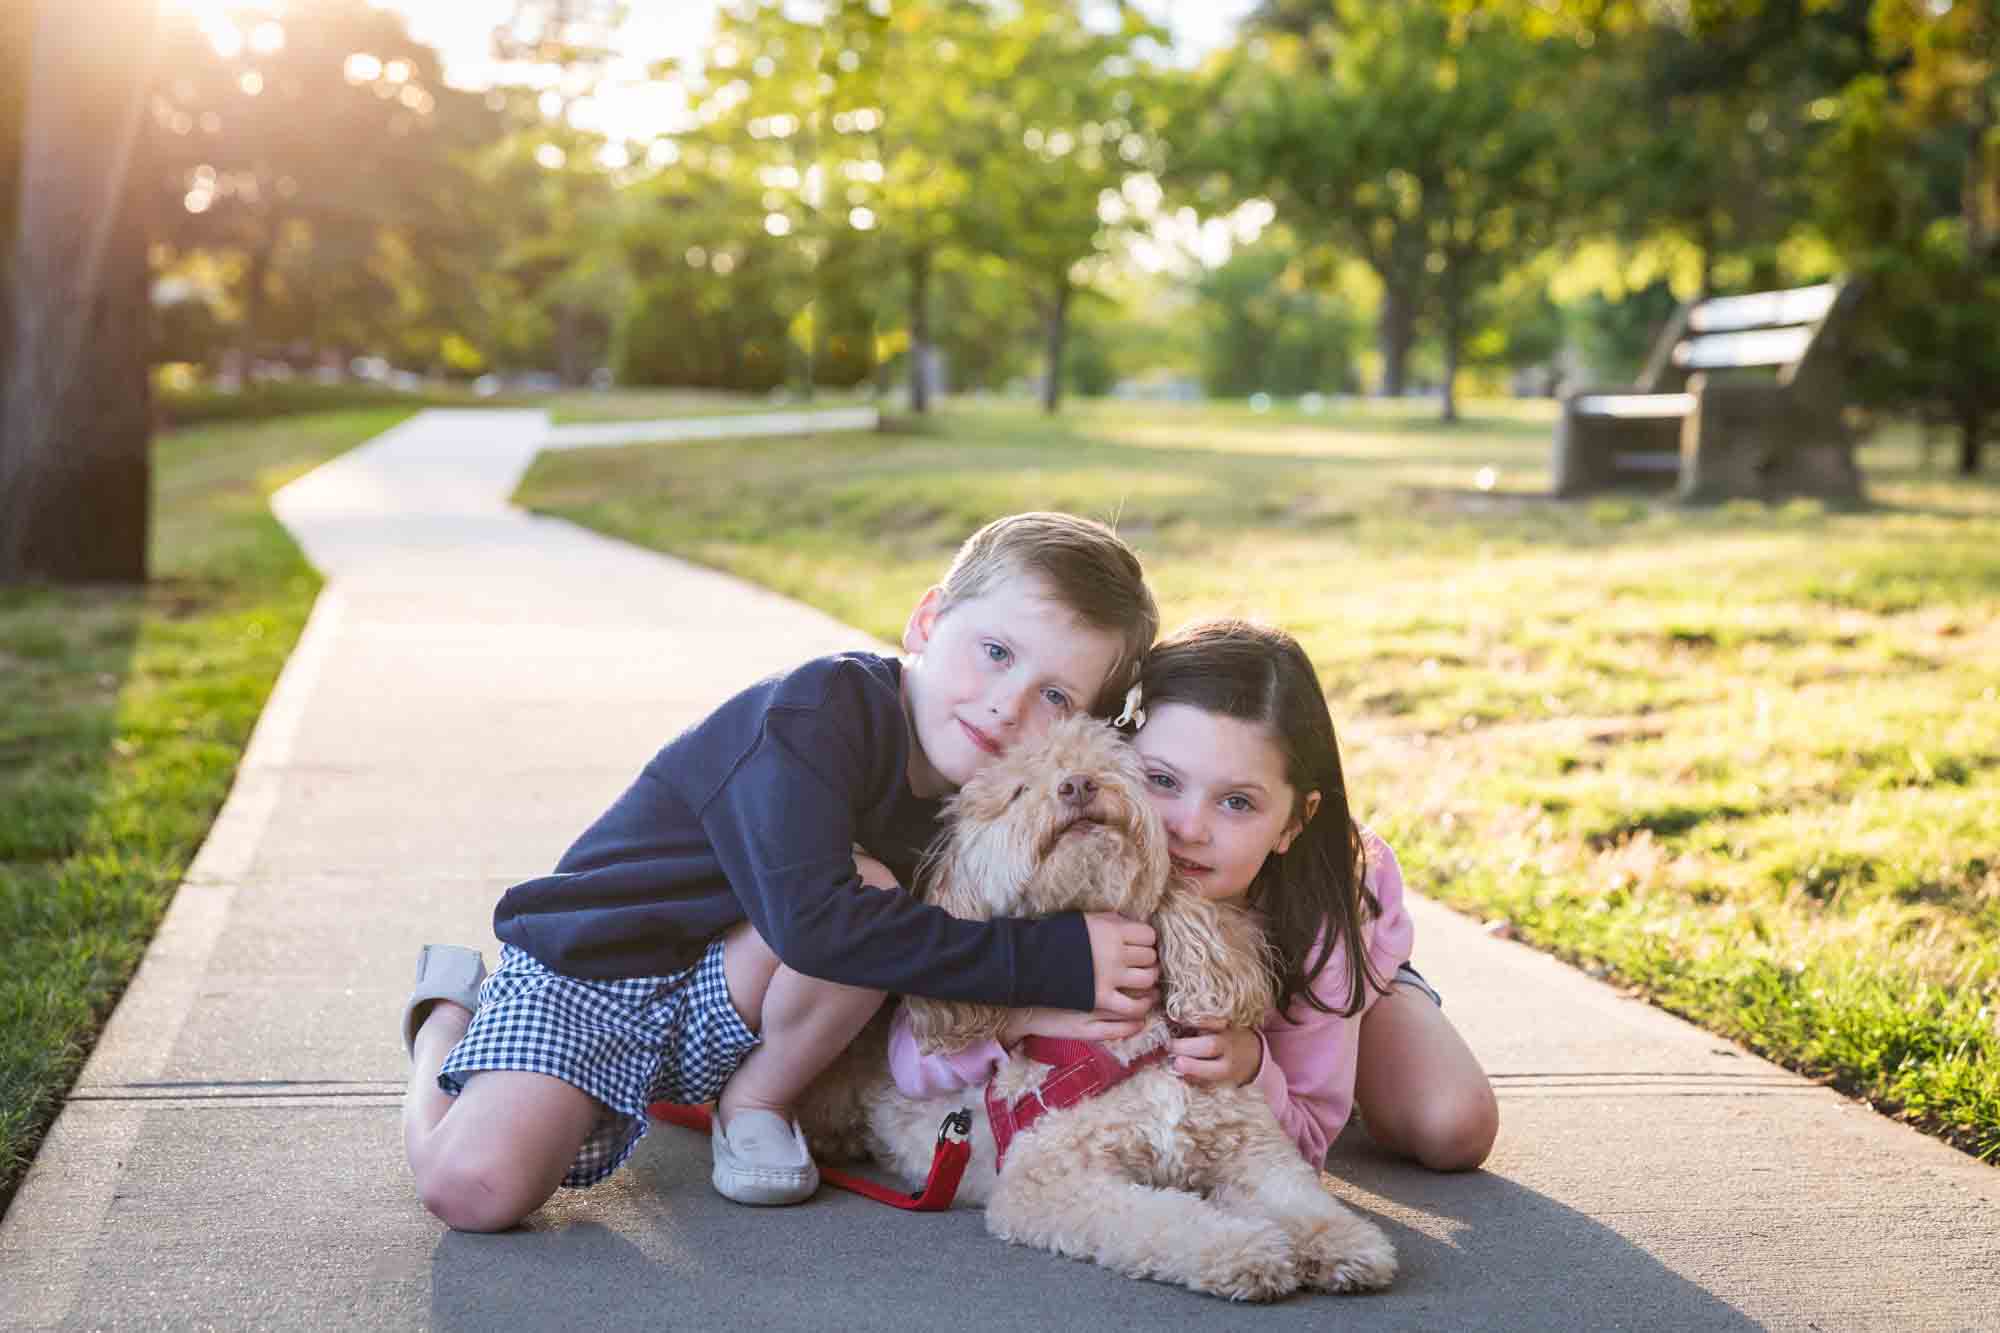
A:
x,y
1157,1177
1016,847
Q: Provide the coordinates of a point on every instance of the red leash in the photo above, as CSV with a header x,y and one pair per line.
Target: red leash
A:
x,y
954,1150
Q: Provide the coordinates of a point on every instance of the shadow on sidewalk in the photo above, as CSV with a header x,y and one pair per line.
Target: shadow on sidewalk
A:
x,y
657,1245
1479,1250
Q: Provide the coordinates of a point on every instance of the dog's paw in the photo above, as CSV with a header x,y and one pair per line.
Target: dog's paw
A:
x,y
1250,1263
1346,1254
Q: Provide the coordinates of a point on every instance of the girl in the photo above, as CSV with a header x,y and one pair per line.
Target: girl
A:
x,y
1241,758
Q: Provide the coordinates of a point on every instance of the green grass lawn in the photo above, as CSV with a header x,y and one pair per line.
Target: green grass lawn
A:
x,y
581,405
1745,760
123,712
199,406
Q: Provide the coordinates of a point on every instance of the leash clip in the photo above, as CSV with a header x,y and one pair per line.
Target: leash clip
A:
x,y
956,1127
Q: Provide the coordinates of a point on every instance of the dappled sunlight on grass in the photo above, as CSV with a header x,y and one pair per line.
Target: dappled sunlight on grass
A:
x,y
1740,757
572,406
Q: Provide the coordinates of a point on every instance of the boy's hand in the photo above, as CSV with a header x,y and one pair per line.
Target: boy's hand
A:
x,y
1125,964
1069,1023
1224,1056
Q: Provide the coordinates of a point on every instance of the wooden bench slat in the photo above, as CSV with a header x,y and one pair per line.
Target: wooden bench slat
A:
x,y
1798,305
1651,460
1657,406
1755,347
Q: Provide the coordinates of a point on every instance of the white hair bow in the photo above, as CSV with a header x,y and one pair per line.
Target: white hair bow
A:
x,y
1134,716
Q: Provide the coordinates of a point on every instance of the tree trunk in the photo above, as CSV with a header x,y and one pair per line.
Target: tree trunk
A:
x,y
1704,244
569,360
17,28
1057,327
920,331
1395,331
74,400
1452,298
1971,439
1979,194
253,302
1451,340
878,362
812,344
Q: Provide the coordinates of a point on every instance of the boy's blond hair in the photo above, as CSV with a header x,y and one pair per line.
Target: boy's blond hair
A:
x,y
1087,566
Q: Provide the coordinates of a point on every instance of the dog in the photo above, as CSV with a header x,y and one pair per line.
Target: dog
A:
x,y
1153,1177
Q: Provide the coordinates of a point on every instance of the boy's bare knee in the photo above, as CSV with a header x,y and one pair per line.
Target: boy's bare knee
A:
x,y
748,964
796,999
468,1194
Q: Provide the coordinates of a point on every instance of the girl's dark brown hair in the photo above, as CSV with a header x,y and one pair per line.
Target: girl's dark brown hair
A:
x,y
1314,896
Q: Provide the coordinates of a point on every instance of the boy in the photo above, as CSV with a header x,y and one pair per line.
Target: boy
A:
x,y
710,933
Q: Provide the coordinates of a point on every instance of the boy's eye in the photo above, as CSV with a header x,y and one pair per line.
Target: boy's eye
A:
x,y
1238,803
996,652
1056,699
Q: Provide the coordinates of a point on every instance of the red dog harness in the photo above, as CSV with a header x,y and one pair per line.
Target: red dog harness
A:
x,y
1082,1070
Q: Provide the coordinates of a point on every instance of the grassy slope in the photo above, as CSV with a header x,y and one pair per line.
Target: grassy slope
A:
x,y
1743,758
122,715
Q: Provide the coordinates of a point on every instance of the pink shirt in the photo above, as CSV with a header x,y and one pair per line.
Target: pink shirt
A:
x,y
1307,1070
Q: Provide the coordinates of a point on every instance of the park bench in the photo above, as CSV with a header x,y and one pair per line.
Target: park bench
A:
x,y
1741,397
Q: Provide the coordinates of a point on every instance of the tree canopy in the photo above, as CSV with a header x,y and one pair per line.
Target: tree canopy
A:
x,y
859,187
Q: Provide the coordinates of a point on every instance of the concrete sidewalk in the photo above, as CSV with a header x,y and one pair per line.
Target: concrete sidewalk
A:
x,y
474,686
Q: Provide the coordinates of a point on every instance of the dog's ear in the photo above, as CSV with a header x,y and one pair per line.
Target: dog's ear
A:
x,y
952,1025
945,883
1214,961
1152,880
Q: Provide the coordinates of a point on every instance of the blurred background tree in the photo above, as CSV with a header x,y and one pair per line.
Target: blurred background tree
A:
x,y
1070,117
1853,136
1266,328
1437,149
1049,195
319,169
75,470
1908,190
16,50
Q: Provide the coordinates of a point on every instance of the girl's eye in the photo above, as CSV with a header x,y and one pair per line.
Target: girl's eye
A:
x,y
996,652
1056,699
1238,803
1161,780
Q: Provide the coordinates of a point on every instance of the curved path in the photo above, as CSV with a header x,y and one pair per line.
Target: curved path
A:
x,y
474,686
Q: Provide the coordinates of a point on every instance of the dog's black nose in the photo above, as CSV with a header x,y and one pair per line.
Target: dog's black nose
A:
x,y
1076,789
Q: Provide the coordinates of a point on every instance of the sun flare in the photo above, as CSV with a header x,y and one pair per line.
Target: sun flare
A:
x,y
224,24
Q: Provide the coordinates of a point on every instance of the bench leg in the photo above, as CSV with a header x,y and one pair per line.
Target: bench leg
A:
x,y
1589,446
1753,441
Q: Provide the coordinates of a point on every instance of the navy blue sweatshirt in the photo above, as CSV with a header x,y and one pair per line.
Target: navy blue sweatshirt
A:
x,y
754,813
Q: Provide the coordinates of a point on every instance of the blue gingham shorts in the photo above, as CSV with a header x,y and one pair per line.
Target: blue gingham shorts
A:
x,y
1409,976
626,1043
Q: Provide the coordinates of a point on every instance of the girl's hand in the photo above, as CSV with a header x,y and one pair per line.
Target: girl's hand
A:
x,y
873,873
1217,1055
1070,1023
